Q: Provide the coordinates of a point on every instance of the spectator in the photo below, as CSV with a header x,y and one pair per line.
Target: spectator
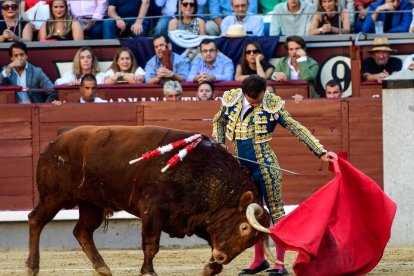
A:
x,y
124,68
345,6
89,13
253,24
270,88
61,25
205,91
380,65
408,63
252,61
84,62
211,65
326,21
172,90
297,66
22,73
362,7
186,19
292,18
165,65
169,9
128,18
221,8
395,22
35,11
333,89
412,23
10,27
88,88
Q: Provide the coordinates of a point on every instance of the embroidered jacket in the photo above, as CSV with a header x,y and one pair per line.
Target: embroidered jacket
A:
x,y
270,112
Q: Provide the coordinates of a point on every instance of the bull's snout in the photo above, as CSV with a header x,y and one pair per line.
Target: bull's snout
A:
x,y
219,256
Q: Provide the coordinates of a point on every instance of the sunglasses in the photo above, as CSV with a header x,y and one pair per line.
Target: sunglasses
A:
x,y
186,4
251,52
13,7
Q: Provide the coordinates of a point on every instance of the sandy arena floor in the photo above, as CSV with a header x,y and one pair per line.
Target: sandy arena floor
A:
x,y
184,262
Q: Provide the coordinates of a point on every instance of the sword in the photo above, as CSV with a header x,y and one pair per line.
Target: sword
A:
x,y
266,165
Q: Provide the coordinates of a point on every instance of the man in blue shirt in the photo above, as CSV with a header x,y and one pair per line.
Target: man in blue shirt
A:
x,y
158,69
211,65
119,10
253,24
221,8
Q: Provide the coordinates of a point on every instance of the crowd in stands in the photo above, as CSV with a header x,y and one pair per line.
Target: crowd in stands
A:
x,y
77,20
52,20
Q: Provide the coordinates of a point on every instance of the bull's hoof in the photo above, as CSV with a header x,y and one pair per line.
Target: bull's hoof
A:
x,y
149,274
33,272
103,271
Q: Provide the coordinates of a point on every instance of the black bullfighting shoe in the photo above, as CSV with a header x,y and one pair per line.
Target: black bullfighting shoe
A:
x,y
263,266
277,272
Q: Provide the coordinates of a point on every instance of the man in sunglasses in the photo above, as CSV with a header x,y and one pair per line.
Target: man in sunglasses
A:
x,y
211,65
29,77
252,24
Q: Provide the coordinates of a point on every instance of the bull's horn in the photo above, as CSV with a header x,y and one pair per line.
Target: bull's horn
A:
x,y
251,211
268,253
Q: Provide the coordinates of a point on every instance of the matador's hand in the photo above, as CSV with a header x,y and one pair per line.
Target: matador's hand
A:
x,y
329,156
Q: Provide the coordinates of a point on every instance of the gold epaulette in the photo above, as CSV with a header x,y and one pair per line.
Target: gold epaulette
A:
x,y
230,97
272,103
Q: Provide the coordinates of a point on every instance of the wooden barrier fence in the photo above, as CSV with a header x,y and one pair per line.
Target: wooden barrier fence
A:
x,y
353,125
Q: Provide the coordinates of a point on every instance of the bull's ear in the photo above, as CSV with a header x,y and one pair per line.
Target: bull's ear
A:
x,y
245,200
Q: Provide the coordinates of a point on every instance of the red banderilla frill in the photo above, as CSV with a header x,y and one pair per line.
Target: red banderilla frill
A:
x,y
180,155
194,140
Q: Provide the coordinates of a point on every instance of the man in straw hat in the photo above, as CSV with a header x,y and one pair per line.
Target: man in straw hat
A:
x,y
380,65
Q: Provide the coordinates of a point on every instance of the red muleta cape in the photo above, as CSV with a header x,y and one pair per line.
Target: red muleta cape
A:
x,y
342,229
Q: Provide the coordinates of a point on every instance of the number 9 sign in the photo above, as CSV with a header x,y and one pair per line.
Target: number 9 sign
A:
x,y
339,69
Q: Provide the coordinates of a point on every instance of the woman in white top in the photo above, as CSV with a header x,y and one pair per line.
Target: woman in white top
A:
x,y
84,62
124,68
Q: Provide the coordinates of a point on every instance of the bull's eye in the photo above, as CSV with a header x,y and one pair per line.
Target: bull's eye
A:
x,y
245,229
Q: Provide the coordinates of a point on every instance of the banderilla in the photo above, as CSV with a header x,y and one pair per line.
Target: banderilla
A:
x,y
266,165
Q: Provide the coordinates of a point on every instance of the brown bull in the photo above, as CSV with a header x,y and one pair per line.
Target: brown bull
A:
x,y
206,194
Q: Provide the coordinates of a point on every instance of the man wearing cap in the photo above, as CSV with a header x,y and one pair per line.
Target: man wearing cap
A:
x,y
252,24
380,65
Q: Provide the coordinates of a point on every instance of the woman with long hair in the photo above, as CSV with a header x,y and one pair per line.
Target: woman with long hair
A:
x,y
252,61
124,68
84,62
188,19
10,27
61,25
326,20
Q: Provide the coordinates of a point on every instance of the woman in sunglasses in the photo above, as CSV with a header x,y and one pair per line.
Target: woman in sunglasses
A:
x,y
187,19
252,61
61,25
10,28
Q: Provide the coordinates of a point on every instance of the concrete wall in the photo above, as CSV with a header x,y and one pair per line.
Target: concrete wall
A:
x,y
398,141
124,231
